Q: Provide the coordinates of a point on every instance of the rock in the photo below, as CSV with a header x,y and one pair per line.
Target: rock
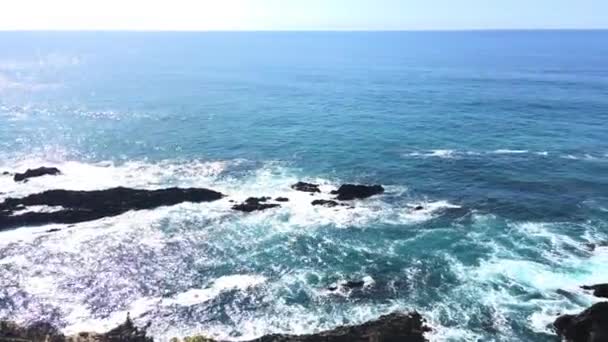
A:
x,y
282,199
54,230
39,331
31,173
81,206
326,203
396,327
418,207
590,325
349,285
306,187
353,284
6,173
348,192
600,290
255,204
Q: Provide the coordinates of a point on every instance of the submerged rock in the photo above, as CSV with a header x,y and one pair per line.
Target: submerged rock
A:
x,y
255,204
81,206
348,192
326,203
418,207
590,325
282,199
31,173
306,187
600,290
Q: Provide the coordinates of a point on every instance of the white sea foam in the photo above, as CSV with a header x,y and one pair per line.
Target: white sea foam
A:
x,y
227,283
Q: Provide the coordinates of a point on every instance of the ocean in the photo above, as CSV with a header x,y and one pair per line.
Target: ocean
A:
x,y
500,136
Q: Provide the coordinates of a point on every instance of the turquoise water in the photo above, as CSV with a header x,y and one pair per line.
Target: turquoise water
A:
x,y
501,135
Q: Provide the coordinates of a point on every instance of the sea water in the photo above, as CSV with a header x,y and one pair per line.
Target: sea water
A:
x,y
501,137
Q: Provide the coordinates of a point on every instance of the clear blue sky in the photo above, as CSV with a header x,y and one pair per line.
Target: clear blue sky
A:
x,y
302,14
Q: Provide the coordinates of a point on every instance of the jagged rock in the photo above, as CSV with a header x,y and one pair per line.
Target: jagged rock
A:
x,y
395,327
348,192
80,206
326,203
282,199
39,331
31,173
255,204
590,325
349,285
306,187
600,290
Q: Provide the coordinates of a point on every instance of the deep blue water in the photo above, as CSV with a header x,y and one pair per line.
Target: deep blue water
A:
x,y
501,135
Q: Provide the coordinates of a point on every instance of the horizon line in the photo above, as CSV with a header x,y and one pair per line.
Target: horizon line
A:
x,y
109,30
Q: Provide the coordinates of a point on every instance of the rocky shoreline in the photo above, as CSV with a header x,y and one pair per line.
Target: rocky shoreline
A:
x,y
394,327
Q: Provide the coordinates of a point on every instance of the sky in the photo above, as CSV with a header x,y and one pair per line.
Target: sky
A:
x,y
195,15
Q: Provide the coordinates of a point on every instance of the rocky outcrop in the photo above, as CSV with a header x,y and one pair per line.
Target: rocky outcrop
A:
x,y
600,290
44,332
31,173
39,331
255,204
325,203
81,206
282,199
590,325
349,192
396,327
306,187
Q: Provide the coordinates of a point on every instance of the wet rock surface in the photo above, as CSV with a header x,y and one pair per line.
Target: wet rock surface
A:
x,y
590,325
599,290
44,332
81,206
282,199
395,327
306,187
255,204
38,172
349,192
325,203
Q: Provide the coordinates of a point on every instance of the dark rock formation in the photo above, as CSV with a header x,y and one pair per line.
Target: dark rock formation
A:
x,y
600,290
44,332
254,204
590,325
326,203
39,331
396,327
282,199
31,173
80,206
306,187
418,207
349,285
348,192
6,173
352,284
